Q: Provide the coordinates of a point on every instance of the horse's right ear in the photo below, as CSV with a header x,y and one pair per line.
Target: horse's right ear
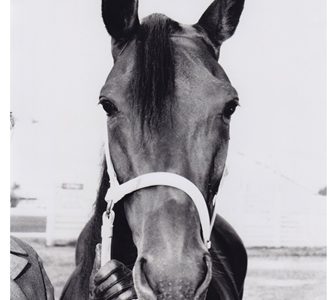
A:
x,y
120,18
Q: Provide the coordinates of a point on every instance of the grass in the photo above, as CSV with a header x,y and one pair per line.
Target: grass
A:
x,y
286,278
285,251
273,273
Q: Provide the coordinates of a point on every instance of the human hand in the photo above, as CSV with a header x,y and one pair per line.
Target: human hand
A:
x,y
113,281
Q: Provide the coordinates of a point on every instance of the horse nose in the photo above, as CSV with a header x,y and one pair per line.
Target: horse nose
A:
x,y
186,279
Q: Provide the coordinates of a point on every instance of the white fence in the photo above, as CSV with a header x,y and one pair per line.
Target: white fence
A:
x,y
268,209
68,212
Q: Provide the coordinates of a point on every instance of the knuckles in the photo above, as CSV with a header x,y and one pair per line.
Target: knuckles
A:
x,y
114,281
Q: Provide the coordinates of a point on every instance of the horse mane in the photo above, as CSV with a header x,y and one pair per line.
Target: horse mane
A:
x,y
153,84
90,235
104,185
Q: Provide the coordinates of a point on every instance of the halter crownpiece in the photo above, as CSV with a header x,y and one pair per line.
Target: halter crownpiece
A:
x,y
118,191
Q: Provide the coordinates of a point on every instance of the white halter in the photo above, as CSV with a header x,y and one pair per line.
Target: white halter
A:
x,y
117,192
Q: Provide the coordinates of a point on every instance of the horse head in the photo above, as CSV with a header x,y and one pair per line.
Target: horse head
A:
x,y
168,104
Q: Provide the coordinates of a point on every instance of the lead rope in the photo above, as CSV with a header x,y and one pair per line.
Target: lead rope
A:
x,y
108,215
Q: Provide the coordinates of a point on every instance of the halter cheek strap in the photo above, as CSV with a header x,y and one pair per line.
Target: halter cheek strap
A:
x,y
118,191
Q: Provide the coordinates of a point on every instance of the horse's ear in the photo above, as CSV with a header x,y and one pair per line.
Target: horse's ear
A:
x,y
120,18
221,19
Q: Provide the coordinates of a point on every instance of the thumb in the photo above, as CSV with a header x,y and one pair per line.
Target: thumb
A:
x,y
95,268
96,264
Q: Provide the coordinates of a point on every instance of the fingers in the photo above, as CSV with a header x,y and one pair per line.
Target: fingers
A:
x,y
111,267
123,289
114,281
127,295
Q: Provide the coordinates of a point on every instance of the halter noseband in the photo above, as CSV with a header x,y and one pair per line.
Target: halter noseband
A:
x,y
118,191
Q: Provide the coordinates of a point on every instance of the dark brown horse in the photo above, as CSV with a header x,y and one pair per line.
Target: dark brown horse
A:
x,y
169,105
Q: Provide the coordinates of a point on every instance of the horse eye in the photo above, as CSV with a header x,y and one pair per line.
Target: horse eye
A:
x,y
109,107
230,108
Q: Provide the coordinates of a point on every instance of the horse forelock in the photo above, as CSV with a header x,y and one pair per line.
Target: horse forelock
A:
x,y
153,83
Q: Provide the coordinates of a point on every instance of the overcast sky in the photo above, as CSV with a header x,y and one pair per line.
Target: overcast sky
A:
x,y
60,58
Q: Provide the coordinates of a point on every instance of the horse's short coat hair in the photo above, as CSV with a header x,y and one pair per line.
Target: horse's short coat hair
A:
x,y
153,98
153,84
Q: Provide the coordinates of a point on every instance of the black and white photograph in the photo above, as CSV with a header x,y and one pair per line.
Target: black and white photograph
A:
x,y
167,150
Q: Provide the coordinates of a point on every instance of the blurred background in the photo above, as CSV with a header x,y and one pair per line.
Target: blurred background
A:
x,y
275,194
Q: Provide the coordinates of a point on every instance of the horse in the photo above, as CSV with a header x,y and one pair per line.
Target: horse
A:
x,y
169,105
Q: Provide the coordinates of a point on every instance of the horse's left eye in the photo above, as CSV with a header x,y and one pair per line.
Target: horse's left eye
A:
x,y
109,107
230,108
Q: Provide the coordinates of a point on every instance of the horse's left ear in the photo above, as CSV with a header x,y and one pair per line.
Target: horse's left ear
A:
x,y
120,18
221,19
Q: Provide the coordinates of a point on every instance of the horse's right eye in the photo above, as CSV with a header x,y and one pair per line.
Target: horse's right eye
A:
x,y
230,108
109,107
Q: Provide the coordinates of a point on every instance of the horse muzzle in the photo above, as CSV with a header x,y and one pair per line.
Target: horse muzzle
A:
x,y
161,278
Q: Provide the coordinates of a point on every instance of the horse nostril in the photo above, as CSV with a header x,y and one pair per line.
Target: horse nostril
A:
x,y
141,281
143,263
207,278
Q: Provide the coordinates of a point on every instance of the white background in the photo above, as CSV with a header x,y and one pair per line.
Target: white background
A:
x,y
61,57
277,36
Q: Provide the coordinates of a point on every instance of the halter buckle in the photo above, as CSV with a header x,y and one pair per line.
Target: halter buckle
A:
x,y
109,207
